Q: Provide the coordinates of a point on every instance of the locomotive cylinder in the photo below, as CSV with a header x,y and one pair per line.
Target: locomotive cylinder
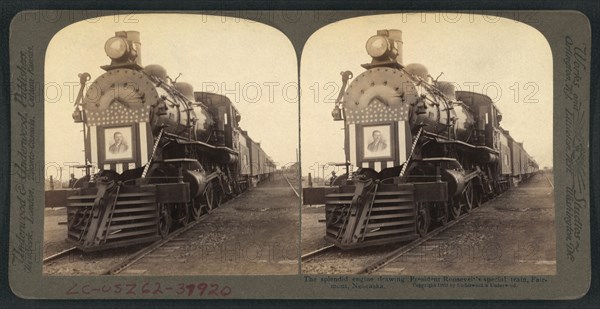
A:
x,y
455,180
197,181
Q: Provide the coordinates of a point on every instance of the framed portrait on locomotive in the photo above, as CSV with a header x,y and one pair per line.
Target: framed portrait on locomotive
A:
x,y
377,142
119,144
299,154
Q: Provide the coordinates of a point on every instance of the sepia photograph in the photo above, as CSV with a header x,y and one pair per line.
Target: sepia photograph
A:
x,y
160,148
291,154
376,142
117,144
438,152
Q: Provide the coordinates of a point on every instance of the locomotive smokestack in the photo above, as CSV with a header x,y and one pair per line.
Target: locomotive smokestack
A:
x,y
396,36
134,37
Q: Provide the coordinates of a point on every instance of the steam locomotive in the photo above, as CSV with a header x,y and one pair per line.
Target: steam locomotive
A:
x,y
425,153
166,154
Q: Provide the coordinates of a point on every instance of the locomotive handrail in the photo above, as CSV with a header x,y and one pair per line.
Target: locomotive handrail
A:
x,y
412,149
168,88
112,210
149,178
370,210
180,140
442,140
160,135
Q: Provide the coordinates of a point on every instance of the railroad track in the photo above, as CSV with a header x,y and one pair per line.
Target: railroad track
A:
x,y
132,259
312,254
394,255
428,241
59,255
388,256
549,181
291,186
136,256
147,251
405,250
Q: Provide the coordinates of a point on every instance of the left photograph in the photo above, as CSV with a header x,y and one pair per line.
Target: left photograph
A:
x,y
171,145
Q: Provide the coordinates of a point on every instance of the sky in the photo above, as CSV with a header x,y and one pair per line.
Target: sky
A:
x,y
509,61
253,64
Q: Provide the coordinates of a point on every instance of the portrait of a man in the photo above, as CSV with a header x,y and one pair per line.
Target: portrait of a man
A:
x,y
119,145
377,143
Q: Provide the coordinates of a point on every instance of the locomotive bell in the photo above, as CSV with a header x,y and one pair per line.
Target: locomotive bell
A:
x,y
418,69
156,71
186,89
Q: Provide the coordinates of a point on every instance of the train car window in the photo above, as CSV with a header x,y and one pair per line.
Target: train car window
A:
x,y
487,121
226,118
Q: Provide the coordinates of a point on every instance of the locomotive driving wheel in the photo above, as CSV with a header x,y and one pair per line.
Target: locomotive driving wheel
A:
x,y
455,208
183,213
164,220
205,204
423,218
468,197
196,209
441,209
477,193
217,196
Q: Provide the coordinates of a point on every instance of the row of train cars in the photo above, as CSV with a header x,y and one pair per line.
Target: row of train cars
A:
x,y
517,165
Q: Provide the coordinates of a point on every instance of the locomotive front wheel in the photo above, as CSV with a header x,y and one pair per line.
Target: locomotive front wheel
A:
x,y
442,211
184,218
455,208
164,220
423,219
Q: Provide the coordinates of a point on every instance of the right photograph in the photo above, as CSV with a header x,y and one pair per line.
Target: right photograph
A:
x,y
427,147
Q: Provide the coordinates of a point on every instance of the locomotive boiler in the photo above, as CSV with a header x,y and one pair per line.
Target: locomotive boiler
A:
x,y
166,155
424,153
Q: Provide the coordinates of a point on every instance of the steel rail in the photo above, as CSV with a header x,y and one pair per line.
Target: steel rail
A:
x,y
58,255
132,259
550,182
289,183
392,256
319,251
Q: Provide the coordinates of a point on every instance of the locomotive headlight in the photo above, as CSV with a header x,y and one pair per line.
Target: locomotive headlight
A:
x,y
116,47
377,46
